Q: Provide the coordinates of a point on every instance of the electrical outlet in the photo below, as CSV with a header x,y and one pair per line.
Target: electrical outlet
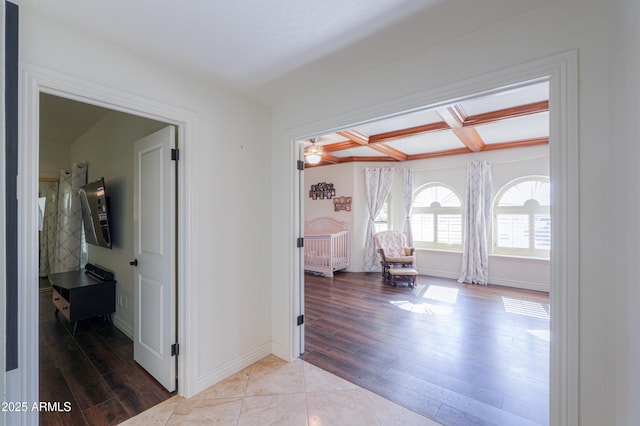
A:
x,y
119,300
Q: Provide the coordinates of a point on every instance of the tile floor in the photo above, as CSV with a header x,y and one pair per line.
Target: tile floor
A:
x,y
273,391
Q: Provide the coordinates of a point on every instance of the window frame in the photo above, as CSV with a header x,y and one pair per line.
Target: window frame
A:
x,y
529,209
436,211
376,222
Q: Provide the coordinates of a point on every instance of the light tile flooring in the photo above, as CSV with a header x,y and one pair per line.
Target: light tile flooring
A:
x,y
275,392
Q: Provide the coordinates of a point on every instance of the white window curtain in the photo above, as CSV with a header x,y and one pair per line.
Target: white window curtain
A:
x,y
69,229
377,184
407,202
477,217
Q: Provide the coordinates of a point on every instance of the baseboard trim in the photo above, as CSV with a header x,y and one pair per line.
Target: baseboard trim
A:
x,y
278,350
437,273
221,373
524,285
123,326
520,284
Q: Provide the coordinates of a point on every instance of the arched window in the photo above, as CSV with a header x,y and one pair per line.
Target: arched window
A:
x,y
522,219
436,218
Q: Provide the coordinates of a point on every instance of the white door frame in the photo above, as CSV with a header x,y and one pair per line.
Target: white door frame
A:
x,y
36,80
562,71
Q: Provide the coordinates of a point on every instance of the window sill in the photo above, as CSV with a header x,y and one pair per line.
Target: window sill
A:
x,y
438,250
516,257
494,256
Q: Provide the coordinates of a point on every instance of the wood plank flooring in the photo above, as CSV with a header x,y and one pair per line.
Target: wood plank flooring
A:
x,y
458,354
94,371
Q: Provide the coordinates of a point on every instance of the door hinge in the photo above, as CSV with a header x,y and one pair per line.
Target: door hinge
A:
x,y
175,349
300,165
300,320
175,154
300,242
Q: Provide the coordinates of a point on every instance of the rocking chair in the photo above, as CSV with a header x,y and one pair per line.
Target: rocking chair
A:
x,y
393,250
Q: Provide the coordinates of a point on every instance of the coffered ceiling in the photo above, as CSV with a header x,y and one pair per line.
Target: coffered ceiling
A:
x,y
507,119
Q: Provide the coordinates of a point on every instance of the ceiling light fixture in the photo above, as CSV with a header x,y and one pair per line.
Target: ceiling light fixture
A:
x,y
313,153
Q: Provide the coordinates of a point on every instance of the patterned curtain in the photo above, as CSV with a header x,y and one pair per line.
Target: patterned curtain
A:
x,y
477,217
377,184
407,202
49,228
69,229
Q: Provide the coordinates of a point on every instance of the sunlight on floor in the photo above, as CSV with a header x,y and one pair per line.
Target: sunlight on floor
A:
x,y
439,309
441,294
422,308
525,307
446,295
541,334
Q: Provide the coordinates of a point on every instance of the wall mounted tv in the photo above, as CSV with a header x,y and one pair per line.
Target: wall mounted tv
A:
x,y
95,213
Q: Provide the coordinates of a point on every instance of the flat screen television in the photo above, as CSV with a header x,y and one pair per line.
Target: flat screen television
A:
x,y
95,213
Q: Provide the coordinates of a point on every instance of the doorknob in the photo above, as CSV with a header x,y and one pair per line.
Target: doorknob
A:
x,y
134,262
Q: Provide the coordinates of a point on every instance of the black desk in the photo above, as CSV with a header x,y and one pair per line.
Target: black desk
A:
x,y
80,296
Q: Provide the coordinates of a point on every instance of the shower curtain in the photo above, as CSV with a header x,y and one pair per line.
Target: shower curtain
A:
x,y
48,234
69,227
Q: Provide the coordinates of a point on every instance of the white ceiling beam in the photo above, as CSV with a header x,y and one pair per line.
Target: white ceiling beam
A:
x,y
454,116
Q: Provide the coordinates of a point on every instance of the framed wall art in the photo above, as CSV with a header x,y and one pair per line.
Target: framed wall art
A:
x,y
342,203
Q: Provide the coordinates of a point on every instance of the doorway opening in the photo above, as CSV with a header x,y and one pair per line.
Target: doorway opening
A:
x,y
560,181
24,383
88,360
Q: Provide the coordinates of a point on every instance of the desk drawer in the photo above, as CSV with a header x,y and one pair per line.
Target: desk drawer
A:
x,y
62,304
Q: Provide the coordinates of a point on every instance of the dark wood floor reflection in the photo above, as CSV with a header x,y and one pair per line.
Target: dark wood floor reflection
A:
x,y
93,371
458,354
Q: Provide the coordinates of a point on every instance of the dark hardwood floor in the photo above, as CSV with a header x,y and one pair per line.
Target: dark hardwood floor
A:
x,y
93,371
458,354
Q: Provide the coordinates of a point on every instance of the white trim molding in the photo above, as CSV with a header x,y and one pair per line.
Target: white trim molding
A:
x,y
525,285
124,327
565,241
211,378
36,80
562,72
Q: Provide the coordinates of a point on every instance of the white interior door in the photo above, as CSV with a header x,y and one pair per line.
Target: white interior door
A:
x,y
154,242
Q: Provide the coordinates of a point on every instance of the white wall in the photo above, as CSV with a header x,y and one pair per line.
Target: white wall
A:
x,y
53,158
507,165
621,310
224,161
558,27
107,149
232,137
341,176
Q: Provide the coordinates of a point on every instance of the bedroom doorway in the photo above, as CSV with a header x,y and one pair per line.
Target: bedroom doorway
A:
x,y
359,234
23,383
95,364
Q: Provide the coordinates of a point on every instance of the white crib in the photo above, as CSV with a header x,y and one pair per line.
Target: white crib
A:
x,y
326,246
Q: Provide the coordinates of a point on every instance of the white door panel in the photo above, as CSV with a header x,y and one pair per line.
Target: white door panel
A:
x,y
154,249
150,194
151,329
